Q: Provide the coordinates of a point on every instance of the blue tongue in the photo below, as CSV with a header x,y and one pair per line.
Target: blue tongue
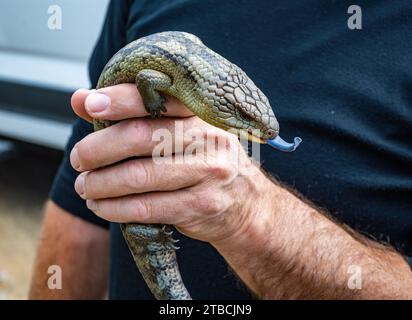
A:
x,y
280,144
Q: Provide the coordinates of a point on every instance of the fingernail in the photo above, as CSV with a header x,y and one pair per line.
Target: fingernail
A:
x,y
97,102
92,205
79,185
74,158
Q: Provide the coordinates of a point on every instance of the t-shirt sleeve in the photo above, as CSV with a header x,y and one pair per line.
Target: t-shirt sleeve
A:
x,y
62,192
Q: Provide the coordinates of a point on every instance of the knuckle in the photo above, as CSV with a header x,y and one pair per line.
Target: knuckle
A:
x,y
209,203
139,131
220,169
142,209
139,174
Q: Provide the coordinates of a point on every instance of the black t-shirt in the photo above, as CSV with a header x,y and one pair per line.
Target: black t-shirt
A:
x,y
347,93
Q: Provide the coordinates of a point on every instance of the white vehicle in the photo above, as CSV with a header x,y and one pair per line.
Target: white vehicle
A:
x,y
44,52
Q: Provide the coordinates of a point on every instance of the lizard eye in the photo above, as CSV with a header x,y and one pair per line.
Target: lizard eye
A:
x,y
245,116
271,133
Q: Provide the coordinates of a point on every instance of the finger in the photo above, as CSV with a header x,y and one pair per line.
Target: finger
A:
x,y
123,101
177,207
77,101
139,176
136,137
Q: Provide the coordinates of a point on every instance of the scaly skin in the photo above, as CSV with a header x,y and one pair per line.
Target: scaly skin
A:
x,y
217,91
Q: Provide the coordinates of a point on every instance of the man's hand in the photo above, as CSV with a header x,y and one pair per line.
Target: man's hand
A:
x,y
210,198
278,244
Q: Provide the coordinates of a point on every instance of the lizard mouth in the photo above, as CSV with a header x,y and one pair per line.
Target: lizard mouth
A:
x,y
277,142
253,138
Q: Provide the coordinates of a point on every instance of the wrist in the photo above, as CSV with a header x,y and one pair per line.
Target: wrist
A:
x,y
254,212
265,246
253,236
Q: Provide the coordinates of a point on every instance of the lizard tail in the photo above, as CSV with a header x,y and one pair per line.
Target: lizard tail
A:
x,y
154,252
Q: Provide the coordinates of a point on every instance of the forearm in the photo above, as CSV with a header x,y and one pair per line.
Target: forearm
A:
x,y
79,248
289,250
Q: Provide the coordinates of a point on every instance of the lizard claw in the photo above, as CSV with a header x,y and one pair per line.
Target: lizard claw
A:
x,y
167,233
155,114
170,242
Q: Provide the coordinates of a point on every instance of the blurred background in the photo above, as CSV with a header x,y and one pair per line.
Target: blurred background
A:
x,y
42,61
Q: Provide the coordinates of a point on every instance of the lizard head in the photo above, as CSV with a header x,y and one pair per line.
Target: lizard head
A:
x,y
239,104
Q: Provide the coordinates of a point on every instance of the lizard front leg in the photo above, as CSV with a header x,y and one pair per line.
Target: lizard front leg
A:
x,y
150,83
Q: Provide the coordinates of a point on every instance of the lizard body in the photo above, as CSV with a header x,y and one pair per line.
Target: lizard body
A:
x,y
214,89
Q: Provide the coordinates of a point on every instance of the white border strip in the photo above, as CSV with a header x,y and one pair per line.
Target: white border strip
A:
x,y
45,132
